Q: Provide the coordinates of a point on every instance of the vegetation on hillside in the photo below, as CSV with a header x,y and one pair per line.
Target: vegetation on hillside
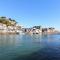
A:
x,y
37,27
7,21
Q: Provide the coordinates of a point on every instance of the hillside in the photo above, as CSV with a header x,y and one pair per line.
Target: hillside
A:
x,y
7,21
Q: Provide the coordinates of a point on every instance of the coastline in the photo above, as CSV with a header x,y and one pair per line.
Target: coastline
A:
x,y
18,32
9,33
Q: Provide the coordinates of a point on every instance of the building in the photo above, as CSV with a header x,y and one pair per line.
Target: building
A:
x,y
9,29
51,30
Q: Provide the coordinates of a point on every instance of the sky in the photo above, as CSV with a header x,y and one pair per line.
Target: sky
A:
x,y
29,13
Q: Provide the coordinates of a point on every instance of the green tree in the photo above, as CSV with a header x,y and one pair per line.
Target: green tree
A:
x,y
8,22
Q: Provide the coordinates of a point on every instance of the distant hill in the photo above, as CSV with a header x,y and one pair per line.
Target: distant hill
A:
x,y
7,21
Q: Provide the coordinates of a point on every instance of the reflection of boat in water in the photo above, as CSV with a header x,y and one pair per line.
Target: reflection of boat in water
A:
x,y
20,32
35,33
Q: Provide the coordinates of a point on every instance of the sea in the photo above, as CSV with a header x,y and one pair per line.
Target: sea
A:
x,y
30,47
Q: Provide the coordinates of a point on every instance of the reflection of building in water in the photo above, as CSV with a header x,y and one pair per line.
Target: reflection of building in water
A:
x,y
10,40
37,38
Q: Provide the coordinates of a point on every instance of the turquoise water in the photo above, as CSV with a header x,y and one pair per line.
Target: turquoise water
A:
x,y
29,47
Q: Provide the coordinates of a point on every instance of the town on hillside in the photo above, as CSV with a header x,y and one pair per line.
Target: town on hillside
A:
x,y
41,30
10,26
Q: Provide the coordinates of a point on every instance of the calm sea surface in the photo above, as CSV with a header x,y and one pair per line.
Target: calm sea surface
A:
x,y
29,47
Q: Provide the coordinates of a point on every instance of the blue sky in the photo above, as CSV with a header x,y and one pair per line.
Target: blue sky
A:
x,y
32,12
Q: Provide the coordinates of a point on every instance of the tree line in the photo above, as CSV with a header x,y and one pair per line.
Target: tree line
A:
x,y
7,21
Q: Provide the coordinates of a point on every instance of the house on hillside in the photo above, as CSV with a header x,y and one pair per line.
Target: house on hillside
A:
x,y
3,26
51,30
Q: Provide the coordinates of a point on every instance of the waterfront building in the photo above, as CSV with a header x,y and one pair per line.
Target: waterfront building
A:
x,y
10,29
51,30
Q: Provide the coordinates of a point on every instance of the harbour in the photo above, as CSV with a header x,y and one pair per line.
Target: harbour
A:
x,y
29,29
